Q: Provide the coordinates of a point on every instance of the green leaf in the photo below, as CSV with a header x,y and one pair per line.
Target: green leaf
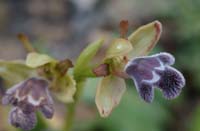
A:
x,y
35,60
64,88
119,47
109,93
145,38
83,65
14,72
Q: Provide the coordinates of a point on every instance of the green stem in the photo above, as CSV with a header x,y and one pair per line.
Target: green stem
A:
x,y
71,108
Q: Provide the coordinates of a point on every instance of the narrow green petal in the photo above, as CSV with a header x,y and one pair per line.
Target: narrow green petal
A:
x,y
83,65
145,38
109,93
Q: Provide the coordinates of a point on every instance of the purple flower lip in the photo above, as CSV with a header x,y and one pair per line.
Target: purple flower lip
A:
x,y
153,71
25,121
27,97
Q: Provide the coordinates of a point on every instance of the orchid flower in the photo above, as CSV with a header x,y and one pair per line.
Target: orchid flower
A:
x,y
127,58
29,84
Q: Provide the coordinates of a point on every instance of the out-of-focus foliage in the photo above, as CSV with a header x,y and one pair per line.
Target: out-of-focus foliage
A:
x,y
189,37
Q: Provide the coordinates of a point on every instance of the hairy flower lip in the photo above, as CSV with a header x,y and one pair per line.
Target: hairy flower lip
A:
x,y
153,71
172,92
26,98
20,120
155,55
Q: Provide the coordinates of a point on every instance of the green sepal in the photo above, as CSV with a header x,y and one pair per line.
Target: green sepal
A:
x,y
145,38
83,66
14,72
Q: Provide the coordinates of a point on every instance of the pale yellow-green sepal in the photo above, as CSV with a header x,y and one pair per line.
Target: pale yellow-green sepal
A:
x,y
35,60
14,72
145,38
109,93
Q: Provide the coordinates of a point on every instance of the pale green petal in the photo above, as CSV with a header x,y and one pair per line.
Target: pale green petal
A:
x,y
35,60
109,93
145,38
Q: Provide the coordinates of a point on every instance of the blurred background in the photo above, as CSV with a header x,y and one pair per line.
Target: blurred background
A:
x,y
62,28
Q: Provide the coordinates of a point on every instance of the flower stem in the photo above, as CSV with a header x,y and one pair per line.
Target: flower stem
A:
x,y
72,106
